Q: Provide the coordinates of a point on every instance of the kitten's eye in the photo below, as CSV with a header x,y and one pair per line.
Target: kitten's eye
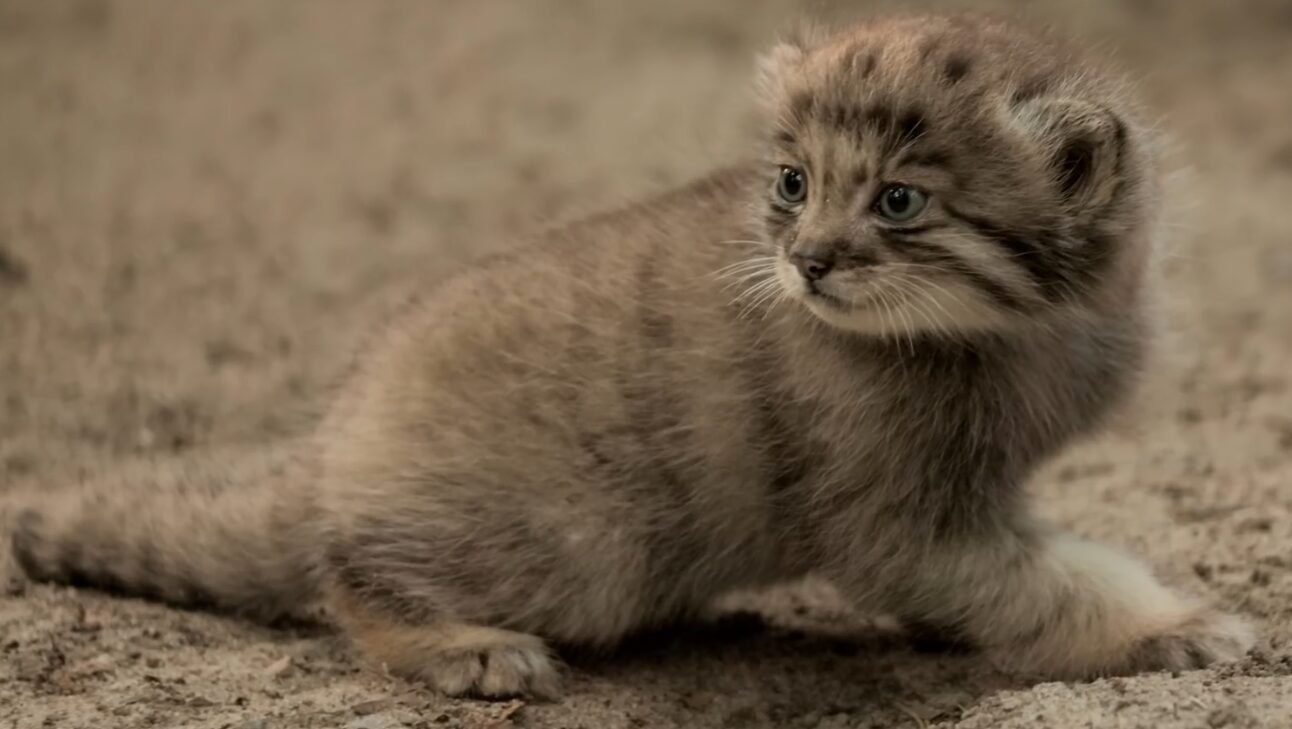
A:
x,y
900,202
792,185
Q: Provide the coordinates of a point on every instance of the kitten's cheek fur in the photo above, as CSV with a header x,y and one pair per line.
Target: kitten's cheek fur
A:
x,y
790,281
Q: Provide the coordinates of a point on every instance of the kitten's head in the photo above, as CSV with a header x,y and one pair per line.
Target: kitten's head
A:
x,y
949,175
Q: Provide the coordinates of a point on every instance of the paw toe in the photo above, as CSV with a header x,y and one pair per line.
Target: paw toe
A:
x,y
497,672
456,674
1200,642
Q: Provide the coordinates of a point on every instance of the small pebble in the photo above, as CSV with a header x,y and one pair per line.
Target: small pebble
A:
x,y
280,667
375,721
370,707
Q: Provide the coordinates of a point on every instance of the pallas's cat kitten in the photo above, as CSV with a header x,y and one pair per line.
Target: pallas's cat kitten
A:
x,y
842,358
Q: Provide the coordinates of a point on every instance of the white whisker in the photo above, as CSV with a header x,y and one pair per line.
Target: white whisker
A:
x,y
748,278
917,286
756,295
917,298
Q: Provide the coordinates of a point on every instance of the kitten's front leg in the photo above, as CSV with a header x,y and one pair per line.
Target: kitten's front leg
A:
x,y
1039,600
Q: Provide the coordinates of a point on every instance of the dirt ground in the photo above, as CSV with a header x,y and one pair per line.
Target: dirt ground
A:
x,y
203,204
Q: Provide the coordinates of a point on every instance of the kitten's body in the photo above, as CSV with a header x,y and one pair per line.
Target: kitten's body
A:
x,y
609,428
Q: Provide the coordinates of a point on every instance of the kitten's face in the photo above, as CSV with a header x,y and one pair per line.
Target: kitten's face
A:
x,y
874,243
914,186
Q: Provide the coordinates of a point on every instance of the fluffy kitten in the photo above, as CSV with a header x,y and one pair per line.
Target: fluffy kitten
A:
x,y
844,358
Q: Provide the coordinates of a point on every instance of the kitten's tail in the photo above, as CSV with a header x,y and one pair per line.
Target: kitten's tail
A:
x,y
231,533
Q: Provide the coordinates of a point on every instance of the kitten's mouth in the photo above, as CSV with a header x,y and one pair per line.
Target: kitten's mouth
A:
x,y
862,300
816,295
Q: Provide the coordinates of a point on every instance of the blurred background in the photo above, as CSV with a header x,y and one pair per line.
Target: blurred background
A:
x,y
204,204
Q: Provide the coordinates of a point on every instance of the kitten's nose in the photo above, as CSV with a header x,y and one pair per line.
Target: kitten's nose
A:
x,y
813,266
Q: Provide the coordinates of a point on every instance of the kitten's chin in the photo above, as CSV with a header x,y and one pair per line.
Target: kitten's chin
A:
x,y
900,320
869,315
870,319
942,311
947,309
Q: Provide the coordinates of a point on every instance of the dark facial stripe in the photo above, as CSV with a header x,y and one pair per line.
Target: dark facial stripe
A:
x,y
929,254
1039,258
920,229
777,222
926,158
779,216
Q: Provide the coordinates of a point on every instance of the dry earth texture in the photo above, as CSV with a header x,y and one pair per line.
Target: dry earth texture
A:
x,y
203,204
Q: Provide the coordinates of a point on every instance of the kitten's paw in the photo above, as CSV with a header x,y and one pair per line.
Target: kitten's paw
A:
x,y
1137,644
453,657
1204,638
493,672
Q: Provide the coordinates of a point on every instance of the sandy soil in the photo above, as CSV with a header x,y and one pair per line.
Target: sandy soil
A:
x,y
202,204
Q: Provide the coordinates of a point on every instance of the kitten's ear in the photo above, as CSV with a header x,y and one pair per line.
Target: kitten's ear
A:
x,y
1084,144
777,65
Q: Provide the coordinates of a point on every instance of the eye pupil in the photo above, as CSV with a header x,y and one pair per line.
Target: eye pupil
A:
x,y
901,202
898,199
793,183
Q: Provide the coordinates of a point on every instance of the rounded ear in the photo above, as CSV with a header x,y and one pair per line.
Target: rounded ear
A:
x,y
1084,144
774,67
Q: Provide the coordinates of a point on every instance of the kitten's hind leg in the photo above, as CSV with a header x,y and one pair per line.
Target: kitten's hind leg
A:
x,y
453,657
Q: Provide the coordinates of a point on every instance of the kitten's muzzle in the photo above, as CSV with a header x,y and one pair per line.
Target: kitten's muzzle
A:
x,y
813,266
